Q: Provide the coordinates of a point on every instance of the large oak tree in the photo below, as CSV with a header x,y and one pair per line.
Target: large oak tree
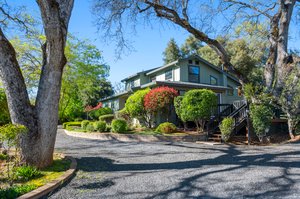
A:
x,y
41,119
200,20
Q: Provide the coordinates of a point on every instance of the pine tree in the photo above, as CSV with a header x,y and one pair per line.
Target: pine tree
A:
x,y
172,52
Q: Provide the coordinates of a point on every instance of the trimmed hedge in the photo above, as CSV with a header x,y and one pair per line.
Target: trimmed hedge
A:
x,y
84,124
100,126
119,126
68,124
166,127
107,118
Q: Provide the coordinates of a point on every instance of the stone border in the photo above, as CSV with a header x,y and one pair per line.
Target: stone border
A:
x,y
51,186
137,138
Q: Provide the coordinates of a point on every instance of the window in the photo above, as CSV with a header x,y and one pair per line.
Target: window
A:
x,y
190,61
213,80
230,91
194,72
153,79
197,62
131,84
181,92
168,75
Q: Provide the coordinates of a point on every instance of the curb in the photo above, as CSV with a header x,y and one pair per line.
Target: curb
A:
x,y
136,138
51,186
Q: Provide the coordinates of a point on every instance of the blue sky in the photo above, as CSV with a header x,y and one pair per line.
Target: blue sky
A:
x,y
148,43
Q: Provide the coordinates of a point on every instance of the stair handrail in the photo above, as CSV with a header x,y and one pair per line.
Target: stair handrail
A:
x,y
218,117
238,119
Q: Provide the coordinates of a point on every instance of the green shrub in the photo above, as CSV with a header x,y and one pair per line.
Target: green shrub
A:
x,y
297,129
3,156
16,191
119,126
107,118
196,106
226,128
123,114
166,127
25,173
108,128
79,119
84,124
102,111
100,126
4,113
134,105
261,116
66,125
90,127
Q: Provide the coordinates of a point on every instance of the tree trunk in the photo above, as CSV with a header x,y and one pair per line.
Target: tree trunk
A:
x,y
291,125
37,146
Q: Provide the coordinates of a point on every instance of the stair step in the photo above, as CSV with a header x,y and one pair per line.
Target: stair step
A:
x,y
217,135
214,139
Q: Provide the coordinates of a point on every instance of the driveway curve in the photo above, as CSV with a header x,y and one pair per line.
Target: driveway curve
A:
x,y
128,170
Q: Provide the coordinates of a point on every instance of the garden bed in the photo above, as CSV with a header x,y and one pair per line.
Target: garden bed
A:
x,y
47,179
141,136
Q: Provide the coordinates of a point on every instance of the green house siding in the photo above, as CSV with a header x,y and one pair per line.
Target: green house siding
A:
x,y
178,71
205,72
228,99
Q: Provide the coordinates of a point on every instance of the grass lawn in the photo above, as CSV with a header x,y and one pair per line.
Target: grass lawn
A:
x,y
18,188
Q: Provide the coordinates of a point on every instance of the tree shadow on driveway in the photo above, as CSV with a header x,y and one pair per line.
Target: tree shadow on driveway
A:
x,y
214,171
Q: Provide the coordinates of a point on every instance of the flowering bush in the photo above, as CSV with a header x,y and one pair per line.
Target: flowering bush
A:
x,y
159,98
91,108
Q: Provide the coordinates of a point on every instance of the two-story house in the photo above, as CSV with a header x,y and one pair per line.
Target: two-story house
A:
x,y
183,75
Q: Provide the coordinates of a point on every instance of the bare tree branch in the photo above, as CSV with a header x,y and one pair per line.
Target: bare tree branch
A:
x,y
247,5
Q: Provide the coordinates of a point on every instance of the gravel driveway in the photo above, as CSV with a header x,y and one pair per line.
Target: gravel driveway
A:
x,y
111,169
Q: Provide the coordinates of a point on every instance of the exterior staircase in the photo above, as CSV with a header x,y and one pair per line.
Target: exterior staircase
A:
x,y
237,111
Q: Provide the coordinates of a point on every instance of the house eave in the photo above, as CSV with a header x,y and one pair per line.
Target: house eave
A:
x,y
185,85
162,67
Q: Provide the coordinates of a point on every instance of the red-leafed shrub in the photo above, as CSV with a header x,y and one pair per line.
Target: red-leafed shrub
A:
x,y
159,99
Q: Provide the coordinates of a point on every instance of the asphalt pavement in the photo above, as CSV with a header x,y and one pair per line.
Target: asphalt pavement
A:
x,y
129,170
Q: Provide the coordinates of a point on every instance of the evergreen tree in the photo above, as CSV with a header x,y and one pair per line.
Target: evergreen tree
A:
x,y
190,46
172,52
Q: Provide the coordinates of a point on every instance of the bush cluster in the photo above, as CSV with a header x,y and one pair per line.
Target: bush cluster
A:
x,y
166,127
119,126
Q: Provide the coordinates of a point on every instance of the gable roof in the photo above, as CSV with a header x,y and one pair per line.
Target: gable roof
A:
x,y
157,69
137,74
163,67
